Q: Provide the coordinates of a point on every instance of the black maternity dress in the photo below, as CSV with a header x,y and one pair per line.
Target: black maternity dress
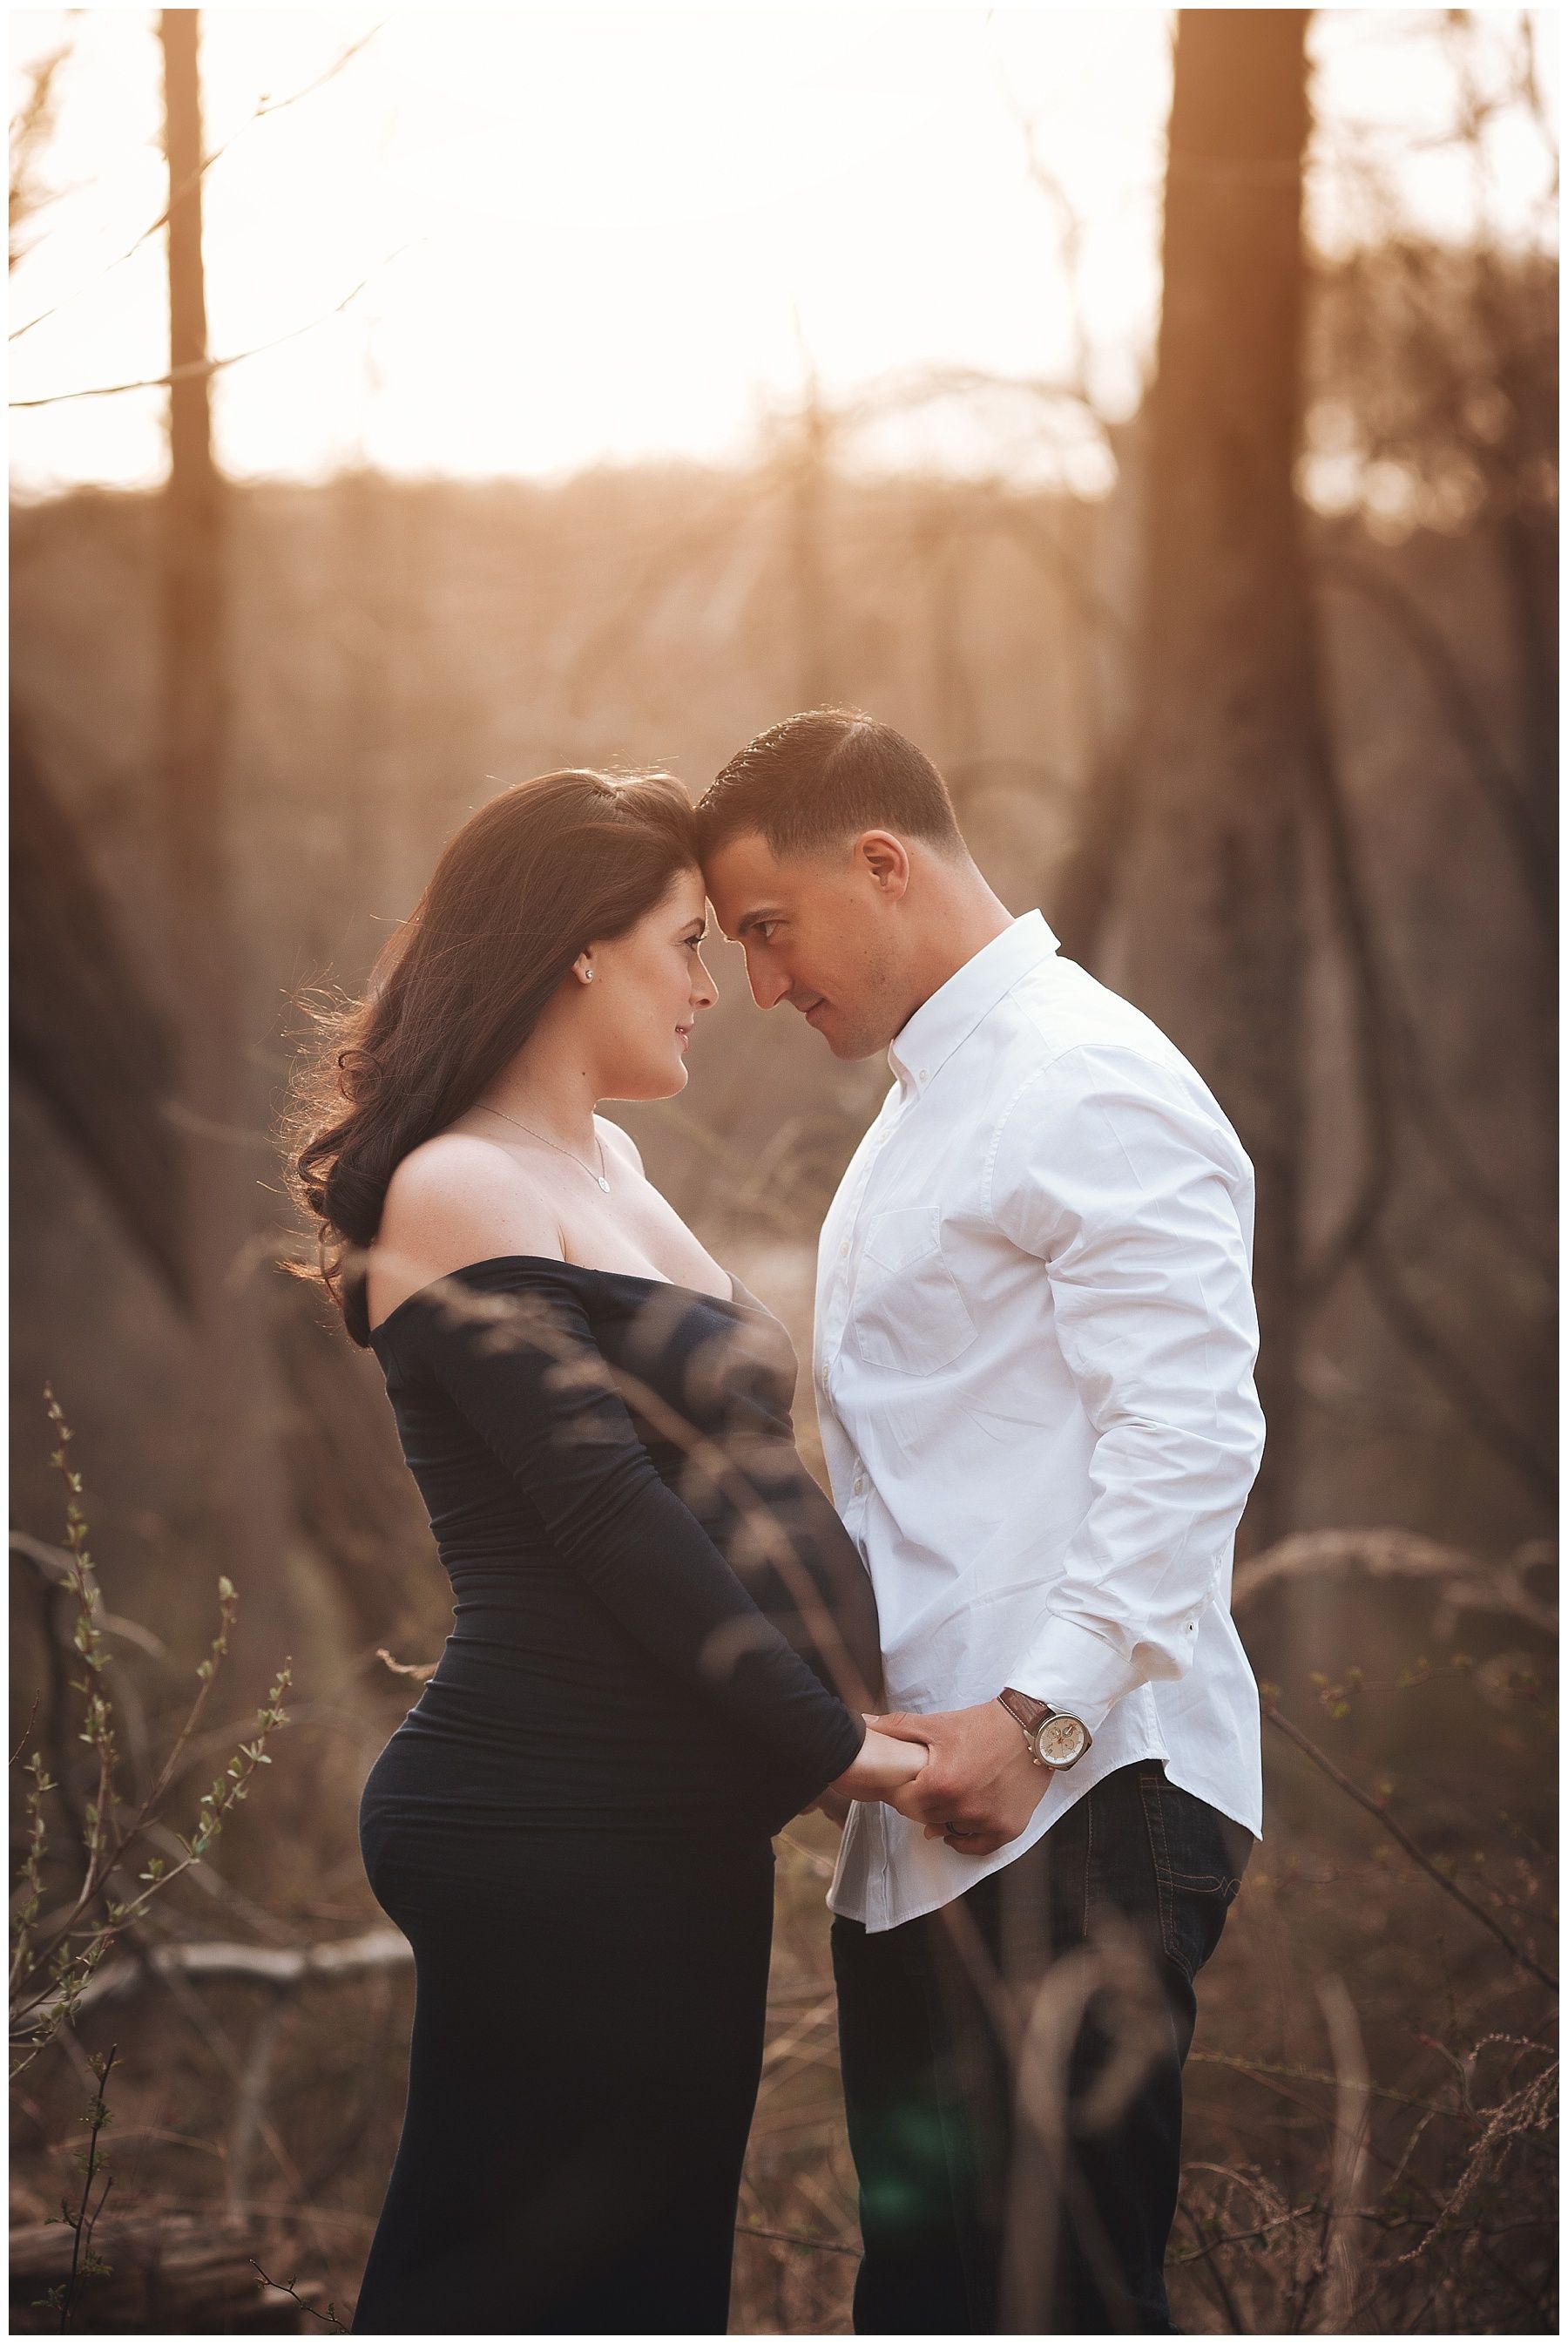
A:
x,y
654,1603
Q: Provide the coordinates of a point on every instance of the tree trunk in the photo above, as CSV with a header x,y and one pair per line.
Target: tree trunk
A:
x,y
1209,929
226,1159
86,1031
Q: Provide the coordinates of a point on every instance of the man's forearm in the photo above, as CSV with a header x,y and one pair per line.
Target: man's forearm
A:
x,y
1146,1563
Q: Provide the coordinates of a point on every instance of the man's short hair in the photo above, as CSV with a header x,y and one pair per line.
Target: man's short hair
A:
x,y
824,776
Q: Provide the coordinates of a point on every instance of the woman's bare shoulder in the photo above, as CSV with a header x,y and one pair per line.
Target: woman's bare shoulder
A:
x,y
454,1200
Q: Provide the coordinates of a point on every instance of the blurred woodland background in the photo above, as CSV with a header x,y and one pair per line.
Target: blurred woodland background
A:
x,y
1264,717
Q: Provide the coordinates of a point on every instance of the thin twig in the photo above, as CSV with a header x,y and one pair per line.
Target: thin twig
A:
x,y
1352,2118
194,178
1375,1058
26,1730
1238,2238
287,2287
1464,717
199,366
1449,1369
1326,1766
795,2238
1215,2277
82,2223
1271,2071
1392,1070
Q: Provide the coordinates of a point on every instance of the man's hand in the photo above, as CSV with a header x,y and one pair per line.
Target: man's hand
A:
x,y
979,1785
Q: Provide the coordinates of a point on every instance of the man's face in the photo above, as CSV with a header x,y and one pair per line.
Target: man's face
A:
x,y
821,933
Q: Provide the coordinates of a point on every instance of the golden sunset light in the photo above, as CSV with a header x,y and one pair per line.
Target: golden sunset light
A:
x,y
785,807
590,235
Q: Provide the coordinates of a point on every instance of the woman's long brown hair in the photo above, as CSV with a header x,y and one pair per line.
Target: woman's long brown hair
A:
x,y
544,870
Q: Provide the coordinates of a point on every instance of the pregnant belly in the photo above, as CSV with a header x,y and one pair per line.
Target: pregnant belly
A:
x,y
501,1742
798,1564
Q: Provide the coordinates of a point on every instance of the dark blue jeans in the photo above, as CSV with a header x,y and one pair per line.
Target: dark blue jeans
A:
x,y
1012,2073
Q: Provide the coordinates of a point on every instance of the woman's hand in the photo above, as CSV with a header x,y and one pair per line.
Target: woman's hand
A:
x,y
883,1767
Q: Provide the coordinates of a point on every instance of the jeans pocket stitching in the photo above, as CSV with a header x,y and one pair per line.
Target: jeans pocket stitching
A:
x,y
1160,1854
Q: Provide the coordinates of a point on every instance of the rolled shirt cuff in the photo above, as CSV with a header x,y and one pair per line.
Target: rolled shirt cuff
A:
x,y
1074,1670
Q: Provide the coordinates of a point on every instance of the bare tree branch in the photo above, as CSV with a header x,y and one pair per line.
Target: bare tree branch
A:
x,y
1353,2120
247,2125
904,388
267,105
280,1966
1468,1582
1352,913
1451,1371
1392,1069
31,125
1443,672
1325,1766
214,365
1069,241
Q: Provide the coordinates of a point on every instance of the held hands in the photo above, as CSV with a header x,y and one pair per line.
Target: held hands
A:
x,y
978,1786
885,1766
965,1773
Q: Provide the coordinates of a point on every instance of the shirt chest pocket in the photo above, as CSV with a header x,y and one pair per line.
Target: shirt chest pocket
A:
x,y
907,1311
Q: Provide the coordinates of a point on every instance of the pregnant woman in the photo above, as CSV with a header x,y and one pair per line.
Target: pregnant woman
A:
x,y
663,1638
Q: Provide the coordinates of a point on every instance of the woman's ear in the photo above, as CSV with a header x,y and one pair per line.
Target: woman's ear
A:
x,y
582,968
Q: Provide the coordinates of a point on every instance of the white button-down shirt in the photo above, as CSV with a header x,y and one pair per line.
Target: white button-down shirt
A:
x,y
1034,1344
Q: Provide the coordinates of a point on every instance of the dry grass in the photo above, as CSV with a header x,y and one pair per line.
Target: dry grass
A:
x,y
1421,2203
1371,2093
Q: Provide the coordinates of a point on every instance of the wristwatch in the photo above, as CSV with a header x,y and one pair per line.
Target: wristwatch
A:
x,y
1056,1739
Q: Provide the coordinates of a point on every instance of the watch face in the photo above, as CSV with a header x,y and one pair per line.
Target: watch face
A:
x,y
1061,1739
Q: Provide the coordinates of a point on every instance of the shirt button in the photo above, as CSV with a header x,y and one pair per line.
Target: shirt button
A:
x,y
860,1484
844,1249
922,1074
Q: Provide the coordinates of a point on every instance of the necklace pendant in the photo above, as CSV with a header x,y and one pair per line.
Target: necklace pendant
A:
x,y
604,1184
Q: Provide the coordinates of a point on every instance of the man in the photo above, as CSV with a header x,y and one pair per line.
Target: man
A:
x,y
1034,1345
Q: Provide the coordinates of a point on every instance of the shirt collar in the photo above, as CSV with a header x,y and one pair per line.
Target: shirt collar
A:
x,y
953,1010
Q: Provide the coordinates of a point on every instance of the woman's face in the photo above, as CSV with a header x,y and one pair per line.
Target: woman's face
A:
x,y
649,986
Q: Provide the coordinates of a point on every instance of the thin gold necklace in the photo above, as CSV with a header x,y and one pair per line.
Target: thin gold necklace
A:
x,y
598,1176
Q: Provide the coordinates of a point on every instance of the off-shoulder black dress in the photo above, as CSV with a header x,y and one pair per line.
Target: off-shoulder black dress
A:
x,y
656,1611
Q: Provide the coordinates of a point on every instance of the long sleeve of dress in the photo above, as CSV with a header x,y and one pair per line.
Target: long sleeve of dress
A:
x,y
525,1369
